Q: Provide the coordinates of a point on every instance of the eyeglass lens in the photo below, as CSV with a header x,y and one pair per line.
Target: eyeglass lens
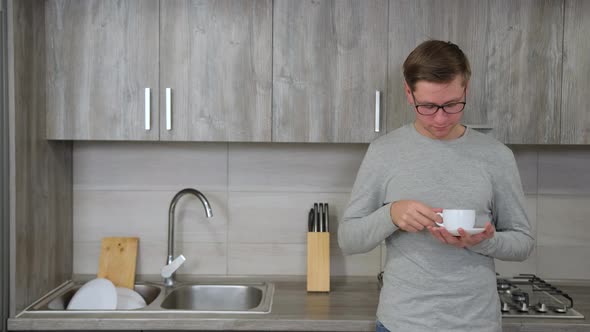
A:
x,y
449,108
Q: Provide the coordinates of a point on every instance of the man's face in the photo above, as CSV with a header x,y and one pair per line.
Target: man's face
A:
x,y
441,125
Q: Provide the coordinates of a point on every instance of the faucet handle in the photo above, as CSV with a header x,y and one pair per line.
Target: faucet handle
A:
x,y
169,269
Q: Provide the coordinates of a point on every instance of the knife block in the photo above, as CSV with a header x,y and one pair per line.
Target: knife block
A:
x,y
318,262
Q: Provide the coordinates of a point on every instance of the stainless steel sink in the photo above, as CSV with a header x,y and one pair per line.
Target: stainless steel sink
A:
x,y
218,298
61,300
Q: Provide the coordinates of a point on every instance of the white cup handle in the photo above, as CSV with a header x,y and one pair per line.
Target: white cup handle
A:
x,y
440,224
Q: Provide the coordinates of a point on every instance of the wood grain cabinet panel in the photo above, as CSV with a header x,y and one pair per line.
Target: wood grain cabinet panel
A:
x,y
411,22
575,116
101,55
307,71
515,52
329,59
524,63
216,59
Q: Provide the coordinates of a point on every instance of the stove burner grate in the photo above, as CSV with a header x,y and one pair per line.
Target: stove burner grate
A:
x,y
527,295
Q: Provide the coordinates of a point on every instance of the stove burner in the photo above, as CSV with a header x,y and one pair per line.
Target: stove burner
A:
x,y
541,307
523,307
527,295
505,307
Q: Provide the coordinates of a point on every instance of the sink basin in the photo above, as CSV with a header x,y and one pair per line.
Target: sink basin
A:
x,y
61,301
220,298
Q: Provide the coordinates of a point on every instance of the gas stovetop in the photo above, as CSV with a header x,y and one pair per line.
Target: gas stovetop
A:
x,y
528,296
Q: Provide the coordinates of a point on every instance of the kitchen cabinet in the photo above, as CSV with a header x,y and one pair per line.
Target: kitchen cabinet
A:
x,y
515,52
329,59
305,71
412,22
207,65
101,55
575,117
216,60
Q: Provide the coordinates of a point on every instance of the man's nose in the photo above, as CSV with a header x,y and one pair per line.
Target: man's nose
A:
x,y
440,116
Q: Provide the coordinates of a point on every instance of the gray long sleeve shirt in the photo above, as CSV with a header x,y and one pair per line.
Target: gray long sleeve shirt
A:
x,y
428,285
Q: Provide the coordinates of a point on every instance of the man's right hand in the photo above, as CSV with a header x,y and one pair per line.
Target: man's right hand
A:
x,y
413,216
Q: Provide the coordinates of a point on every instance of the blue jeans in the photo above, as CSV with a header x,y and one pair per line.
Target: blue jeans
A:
x,y
380,328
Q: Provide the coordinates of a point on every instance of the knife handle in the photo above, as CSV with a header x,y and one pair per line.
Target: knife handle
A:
x,y
326,218
316,217
321,218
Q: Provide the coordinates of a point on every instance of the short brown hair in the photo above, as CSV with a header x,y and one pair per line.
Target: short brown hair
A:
x,y
436,61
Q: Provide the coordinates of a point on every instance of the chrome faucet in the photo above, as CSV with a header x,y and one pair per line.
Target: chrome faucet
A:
x,y
172,264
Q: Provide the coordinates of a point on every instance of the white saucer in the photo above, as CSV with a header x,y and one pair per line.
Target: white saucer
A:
x,y
470,231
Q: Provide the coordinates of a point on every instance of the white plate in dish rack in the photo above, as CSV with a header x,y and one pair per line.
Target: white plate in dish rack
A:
x,y
96,294
129,299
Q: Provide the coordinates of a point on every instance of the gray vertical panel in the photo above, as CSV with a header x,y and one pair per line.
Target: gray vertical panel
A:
x,y
514,48
329,58
100,56
41,208
575,117
463,22
523,73
216,56
4,217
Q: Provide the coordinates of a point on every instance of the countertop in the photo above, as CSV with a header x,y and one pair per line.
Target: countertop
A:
x,y
349,306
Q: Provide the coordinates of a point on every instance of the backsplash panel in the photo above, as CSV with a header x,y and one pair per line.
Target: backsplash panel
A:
x,y
150,166
566,220
564,170
259,217
294,167
261,193
144,214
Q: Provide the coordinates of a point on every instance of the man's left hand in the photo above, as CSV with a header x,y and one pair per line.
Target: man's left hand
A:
x,y
465,239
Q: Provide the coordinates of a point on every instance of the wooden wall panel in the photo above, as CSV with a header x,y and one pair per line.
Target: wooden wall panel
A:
x,y
523,74
216,56
515,51
575,122
41,191
329,59
101,55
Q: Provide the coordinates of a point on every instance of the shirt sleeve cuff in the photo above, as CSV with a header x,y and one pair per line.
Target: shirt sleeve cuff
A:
x,y
386,225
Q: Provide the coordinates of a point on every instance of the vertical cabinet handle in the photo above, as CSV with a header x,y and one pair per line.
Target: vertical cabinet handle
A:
x,y
168,109
147,103
377,111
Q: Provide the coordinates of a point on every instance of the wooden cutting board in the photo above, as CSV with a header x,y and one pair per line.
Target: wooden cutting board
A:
x,y
118,258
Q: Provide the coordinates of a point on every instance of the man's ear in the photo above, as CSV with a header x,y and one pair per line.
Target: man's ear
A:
x,y
408,92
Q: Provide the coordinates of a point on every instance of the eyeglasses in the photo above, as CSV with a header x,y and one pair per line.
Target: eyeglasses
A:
x,y
431,109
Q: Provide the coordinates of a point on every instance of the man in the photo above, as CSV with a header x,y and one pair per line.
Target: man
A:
x,y
434,281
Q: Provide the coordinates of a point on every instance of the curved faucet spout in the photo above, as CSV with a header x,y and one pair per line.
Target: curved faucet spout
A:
x,y
208,212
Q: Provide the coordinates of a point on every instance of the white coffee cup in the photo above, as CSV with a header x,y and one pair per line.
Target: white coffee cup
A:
x,y
455,219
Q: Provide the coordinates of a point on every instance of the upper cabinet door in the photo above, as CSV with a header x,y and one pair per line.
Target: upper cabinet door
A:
x,y
524,65
412,22
329,59
515,52
575,116
216,61
101,57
